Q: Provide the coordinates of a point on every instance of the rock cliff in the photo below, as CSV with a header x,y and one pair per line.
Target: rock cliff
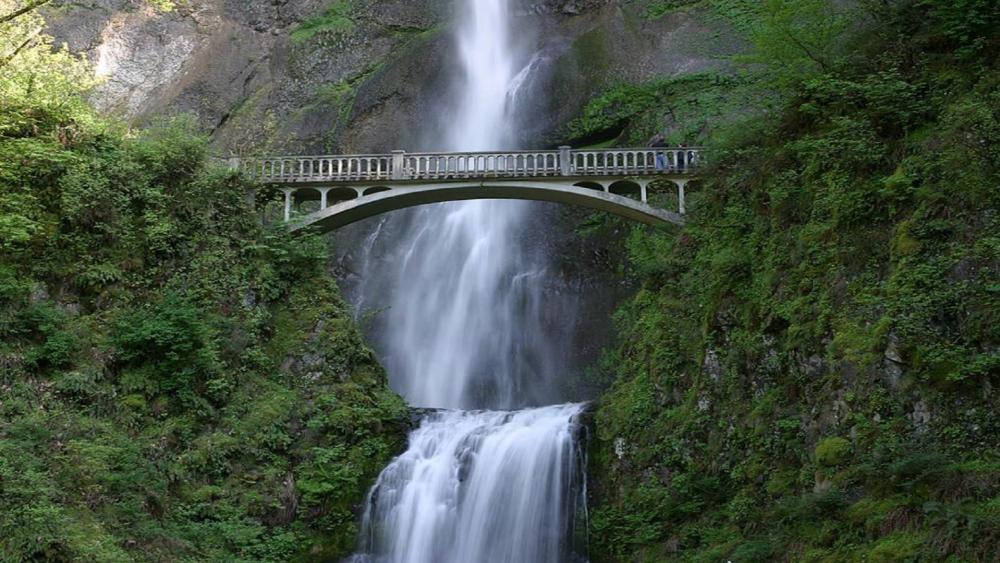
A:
x,y
359,75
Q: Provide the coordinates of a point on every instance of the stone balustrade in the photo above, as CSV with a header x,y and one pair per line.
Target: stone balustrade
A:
x,y
401,166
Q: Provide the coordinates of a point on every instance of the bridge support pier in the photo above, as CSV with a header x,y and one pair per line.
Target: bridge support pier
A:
x,y
681,186
644,190
322,198
288,204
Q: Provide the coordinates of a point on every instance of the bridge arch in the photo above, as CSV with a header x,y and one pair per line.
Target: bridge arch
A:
x,y
378,202
354,187
375,190
627,188
591,186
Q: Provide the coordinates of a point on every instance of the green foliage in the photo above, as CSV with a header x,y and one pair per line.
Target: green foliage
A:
x,y
797,39
167,349
177,381
687,110
836,278
335,20
37,83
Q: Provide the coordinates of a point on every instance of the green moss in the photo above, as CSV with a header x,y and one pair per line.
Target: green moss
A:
x,y
905,244
335,20
829,282
832,451
896,548
655,9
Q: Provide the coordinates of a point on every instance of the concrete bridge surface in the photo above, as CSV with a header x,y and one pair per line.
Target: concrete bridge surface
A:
x,y
350,188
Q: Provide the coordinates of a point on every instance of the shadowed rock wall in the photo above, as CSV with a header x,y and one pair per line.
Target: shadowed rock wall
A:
x,y
358,75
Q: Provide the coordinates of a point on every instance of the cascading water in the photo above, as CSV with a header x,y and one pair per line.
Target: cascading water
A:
x,y
464,324
482,486
466,328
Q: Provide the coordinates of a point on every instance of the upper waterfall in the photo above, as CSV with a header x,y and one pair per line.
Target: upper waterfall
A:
x,y
465,325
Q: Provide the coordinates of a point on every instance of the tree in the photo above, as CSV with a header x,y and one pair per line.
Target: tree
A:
x,y
32,70
797,39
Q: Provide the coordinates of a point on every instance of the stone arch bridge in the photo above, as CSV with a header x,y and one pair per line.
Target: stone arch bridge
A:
x,y
350,188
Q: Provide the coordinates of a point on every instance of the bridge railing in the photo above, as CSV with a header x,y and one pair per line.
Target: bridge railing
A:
x,y
402,166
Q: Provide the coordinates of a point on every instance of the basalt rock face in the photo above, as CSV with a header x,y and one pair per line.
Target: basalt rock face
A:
x,y
321,75
324,76
259,75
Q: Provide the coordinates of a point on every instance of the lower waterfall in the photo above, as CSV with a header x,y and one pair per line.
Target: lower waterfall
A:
x,y
480,486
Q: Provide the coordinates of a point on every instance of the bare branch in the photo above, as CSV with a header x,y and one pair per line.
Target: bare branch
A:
x,y
6,60
21,11
804,48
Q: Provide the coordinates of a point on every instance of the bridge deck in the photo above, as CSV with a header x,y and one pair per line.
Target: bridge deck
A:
x,y
353,187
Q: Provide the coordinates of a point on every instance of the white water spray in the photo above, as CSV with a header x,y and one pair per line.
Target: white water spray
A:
x,y
465,325
480,486
466,328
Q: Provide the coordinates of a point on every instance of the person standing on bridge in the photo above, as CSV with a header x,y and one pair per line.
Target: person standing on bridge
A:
x,y
659,142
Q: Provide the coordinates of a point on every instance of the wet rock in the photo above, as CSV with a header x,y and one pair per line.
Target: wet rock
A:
x,y
711,366
892,363
921,416
39,293
620,448
704,404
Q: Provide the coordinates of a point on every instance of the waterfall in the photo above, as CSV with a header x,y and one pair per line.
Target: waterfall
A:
x,y
480,486
468,327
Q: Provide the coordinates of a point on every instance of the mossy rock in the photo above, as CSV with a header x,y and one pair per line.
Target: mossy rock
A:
x,y
831,452
896,548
